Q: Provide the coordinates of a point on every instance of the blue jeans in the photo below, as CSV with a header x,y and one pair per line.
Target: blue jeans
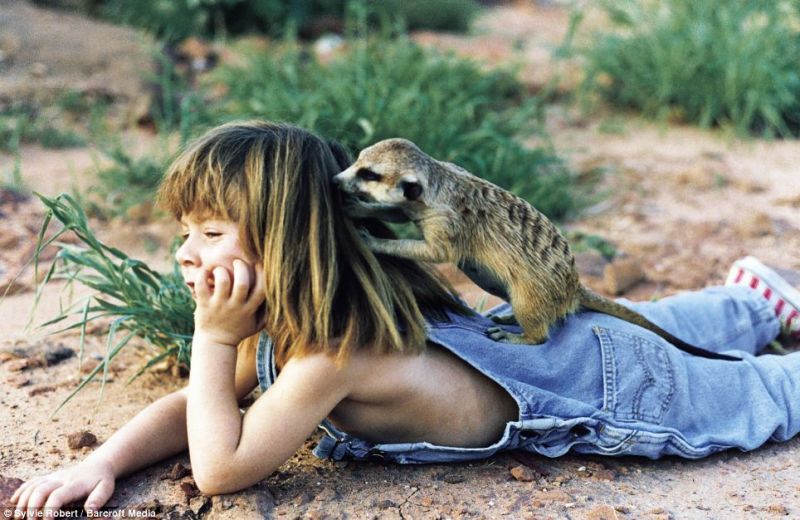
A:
x,y
604,386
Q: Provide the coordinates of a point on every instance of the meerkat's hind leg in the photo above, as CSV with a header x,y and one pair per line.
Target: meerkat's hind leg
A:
x,y
528,312
504,336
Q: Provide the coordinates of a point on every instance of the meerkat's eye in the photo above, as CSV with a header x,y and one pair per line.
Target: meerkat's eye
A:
x,y
411,190
365,174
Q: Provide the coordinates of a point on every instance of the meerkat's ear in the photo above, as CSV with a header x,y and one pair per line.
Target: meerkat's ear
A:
x,y
412,189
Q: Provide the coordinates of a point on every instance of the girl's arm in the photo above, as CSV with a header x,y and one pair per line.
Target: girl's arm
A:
x,y
157,432
228,452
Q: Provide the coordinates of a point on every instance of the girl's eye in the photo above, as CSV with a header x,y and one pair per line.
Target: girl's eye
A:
x,y
212,234
184,236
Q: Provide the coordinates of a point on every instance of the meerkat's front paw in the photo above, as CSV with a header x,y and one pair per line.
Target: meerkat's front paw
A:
x,y
366,236
503,336
504,319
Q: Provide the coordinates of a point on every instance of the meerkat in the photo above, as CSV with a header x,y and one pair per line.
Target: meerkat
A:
x,y
496,238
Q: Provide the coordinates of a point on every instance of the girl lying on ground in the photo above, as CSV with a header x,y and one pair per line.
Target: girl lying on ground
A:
x,y
381,353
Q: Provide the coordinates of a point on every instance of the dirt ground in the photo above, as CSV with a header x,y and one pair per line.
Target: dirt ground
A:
x,y
680,202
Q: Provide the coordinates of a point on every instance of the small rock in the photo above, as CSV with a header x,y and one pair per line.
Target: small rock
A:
x,y
453,478
18,365
7,487
622,274
602,512
385,504
543,498
38,69
7,356
326,495
754,225
748,186
55,354
302,499
793,201
9,286
532,461
522,474
177,472
43,389
597,471
81,439
590,263
18,381
777,509
189,490
700,178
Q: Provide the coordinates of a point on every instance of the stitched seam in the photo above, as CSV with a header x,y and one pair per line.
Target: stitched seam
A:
x,y
605,335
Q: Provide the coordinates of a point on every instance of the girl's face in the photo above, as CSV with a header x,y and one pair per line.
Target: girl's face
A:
x,y
208,243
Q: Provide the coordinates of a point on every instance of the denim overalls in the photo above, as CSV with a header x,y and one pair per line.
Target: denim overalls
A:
x,y
601,385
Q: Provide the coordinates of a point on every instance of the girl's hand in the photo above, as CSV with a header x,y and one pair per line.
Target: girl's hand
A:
x,y
92,477
229,311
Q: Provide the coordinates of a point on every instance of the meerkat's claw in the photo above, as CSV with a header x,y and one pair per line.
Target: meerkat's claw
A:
x,y
498,334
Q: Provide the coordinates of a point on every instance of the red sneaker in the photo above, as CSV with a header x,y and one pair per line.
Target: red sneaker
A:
x,y
785,299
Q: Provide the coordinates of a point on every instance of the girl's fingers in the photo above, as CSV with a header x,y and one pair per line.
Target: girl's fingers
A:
x,y
257,294
22,501
40,494
100,494
19,491
241,281
222,284
201,288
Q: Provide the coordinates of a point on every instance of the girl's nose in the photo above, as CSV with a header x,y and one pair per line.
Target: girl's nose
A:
x,y
185,255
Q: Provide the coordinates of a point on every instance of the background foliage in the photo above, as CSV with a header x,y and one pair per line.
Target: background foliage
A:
x,y
731,63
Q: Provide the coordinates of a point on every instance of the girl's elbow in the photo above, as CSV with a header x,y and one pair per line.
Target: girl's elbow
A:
x,y
215,479
225,478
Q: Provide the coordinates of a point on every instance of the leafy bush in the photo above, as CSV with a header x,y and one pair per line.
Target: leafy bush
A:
x,y
449,106
174,20
22,124
437,15
712,63
126,183
156,307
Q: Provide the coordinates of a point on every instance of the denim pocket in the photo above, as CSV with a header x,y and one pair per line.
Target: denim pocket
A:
x,y
638,377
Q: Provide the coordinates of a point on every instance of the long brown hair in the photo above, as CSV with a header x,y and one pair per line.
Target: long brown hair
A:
x,y
325,290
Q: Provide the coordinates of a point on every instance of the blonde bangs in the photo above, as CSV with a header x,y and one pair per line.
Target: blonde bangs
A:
x,y
199,181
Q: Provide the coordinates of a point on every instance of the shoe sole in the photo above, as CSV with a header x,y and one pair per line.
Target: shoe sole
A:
x,y
774,283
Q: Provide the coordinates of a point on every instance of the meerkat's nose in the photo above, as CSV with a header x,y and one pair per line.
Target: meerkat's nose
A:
x,y
339,178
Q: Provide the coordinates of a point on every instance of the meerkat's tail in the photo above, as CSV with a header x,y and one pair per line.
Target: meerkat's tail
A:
x,y
595,302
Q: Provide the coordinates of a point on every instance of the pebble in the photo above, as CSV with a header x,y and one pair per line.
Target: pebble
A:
x,y
622,274
522,474
189,490
177,472
602,512
81,439
453,478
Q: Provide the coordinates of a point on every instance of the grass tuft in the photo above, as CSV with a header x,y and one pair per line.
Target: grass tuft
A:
x,y
710,63
139,301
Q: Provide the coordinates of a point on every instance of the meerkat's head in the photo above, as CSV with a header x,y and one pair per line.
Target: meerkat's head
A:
x,y
393,171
